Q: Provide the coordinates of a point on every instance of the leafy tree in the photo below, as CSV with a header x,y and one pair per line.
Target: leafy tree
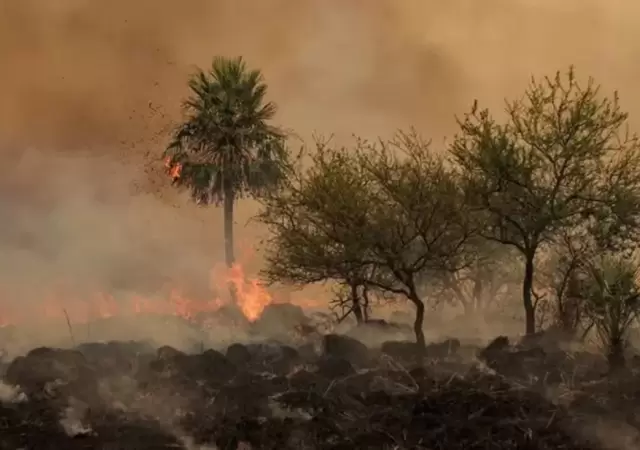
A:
x,y
225,148
575,249
385,214
562,157
310,216
612,301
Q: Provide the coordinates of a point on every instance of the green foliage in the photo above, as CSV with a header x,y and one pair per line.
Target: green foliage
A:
x,y
612,299
563,159
561,156
418,220
384,215
315,218
384,211
225,144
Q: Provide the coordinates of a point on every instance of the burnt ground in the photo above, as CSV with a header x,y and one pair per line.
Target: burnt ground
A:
x,y
338,395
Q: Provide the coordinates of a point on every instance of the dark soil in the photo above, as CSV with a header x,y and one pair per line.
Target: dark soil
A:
x,y
126,395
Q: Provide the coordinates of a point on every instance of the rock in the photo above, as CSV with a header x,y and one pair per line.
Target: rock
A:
x,y
238,354
325,403
168,359
334,367
304,378
211,365
115,357
348,348
168,353
495,349
271,351
272,356
307,352
56,373
280,320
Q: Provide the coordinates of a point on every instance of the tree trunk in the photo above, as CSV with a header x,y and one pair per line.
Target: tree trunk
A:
x,y
478,295
355,304
229,251
527,287
615,357
365,303
419,321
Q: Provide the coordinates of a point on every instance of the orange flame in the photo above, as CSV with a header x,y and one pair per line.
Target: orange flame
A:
x,y
252,297
174,169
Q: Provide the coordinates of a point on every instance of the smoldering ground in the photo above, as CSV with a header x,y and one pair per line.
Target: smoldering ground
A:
x,y
89,89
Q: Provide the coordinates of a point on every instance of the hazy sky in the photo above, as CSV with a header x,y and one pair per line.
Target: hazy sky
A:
x,y
89,88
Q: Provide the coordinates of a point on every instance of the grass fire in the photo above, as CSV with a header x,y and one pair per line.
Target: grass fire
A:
x,y
253,297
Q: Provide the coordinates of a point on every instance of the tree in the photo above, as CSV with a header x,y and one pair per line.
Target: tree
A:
x,y
354,298
612,301
225,148
562,157
384,215
558,272
483,282
309,218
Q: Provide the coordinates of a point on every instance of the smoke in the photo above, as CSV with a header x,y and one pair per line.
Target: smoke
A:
x,y
89,89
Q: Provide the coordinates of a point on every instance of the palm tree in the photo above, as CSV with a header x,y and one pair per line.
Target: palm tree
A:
x,y
612,302
225,149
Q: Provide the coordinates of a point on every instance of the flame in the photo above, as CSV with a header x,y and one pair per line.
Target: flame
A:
x,y
61,304
251,296
174,169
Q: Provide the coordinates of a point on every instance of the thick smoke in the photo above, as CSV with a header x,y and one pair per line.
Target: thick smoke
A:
x,y
88,90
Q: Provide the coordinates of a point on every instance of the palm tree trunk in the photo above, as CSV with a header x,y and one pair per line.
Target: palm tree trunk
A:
x,y
229,251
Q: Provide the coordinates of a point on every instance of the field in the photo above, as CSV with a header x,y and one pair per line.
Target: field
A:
x,y
316,392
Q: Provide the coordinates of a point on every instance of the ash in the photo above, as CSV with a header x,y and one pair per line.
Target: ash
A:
x,y
329,392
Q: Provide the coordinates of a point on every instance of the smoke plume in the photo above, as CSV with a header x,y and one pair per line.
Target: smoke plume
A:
x,y
88,91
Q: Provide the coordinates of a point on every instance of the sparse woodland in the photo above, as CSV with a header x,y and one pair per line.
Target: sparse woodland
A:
x,y
552,191
540,207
